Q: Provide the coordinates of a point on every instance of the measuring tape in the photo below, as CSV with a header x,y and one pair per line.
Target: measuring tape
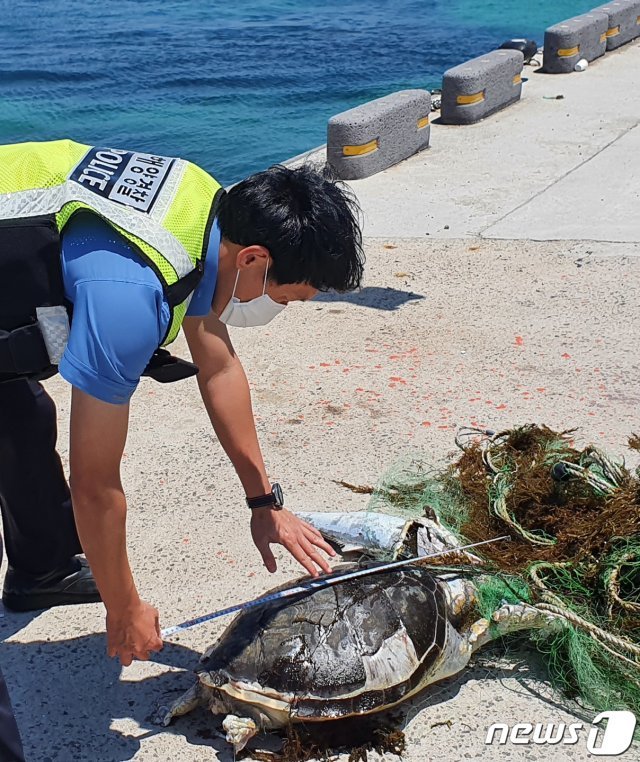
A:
x,y
317,584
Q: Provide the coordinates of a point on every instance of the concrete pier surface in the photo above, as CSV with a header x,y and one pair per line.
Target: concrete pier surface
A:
x,y
502,287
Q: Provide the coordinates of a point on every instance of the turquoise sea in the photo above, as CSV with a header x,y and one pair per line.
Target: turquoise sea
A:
x,y
233,86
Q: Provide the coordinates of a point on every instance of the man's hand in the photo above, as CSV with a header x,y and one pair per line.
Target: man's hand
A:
x,y
301,539
133,633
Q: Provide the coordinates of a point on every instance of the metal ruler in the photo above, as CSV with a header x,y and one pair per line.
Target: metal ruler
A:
x,y
317,584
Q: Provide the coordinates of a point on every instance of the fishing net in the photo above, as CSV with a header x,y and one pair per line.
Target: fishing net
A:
x,y
573,516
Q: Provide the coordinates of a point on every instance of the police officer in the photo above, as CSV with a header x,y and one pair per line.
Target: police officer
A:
x,y
126,248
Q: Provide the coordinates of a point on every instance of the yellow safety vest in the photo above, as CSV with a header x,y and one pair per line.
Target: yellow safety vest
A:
x,y
163,206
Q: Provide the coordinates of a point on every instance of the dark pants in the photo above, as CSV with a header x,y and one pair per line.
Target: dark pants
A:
x,y
39,530
10,743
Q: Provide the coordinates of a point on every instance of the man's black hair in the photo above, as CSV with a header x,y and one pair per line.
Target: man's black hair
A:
x,y
307,221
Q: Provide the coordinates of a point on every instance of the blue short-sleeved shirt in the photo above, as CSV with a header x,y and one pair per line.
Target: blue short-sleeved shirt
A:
x,y
120,315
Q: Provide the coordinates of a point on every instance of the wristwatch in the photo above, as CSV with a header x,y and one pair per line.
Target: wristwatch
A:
x,y
273,499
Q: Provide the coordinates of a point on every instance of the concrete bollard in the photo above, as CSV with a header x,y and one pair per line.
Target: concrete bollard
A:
x,y
576,38
378,134
624,21
481,86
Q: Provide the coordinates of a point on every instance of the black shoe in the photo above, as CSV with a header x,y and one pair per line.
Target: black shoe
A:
x,y
75,584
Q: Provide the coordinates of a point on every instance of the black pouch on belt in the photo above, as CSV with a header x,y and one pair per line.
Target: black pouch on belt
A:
x,y
165,368
30,277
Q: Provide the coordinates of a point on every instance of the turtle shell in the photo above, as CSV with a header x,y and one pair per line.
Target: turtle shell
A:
x,y
356,647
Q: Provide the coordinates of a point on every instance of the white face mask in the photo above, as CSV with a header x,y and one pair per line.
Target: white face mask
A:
x,y
255,312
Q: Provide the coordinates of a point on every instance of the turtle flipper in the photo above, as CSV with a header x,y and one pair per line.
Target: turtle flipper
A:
x,y
186,703
509,618
240,730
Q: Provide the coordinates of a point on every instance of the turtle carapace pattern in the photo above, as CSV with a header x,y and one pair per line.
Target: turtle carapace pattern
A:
x,y
354,648
347,649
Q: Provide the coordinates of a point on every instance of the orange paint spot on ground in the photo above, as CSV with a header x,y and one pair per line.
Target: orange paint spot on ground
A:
x,y
541,389
325,365
566,356
501,407
398,379
426,423
519,341
359,389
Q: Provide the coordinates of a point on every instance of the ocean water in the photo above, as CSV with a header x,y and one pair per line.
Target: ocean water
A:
x,y
233,86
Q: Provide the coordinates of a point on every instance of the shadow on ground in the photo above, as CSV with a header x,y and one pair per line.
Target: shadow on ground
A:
x,y
69,698
376,297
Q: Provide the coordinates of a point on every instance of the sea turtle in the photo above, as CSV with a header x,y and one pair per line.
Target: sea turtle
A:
x,y
355,648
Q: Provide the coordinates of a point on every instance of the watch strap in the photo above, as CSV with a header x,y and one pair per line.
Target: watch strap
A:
x,y
273,499
261,501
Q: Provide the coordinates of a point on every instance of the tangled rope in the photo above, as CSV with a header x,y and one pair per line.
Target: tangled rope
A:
x,y
574,518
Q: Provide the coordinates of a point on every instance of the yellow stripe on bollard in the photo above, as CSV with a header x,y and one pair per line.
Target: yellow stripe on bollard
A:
x,y
603,37
568,52
614,31
422,123
361,150
517,79
469,100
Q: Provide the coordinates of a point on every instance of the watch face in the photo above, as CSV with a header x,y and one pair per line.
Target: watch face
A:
x,y
277,493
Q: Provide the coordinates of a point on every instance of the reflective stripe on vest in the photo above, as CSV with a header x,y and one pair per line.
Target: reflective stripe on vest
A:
x,y
161,205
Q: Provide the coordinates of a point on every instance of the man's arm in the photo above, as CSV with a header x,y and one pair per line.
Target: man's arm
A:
x,y
98,435
225,392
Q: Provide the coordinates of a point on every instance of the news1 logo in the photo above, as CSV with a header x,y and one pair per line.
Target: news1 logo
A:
x,y
610,739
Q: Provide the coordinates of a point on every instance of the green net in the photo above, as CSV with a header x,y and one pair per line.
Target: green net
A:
x,y
412,489
573,516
